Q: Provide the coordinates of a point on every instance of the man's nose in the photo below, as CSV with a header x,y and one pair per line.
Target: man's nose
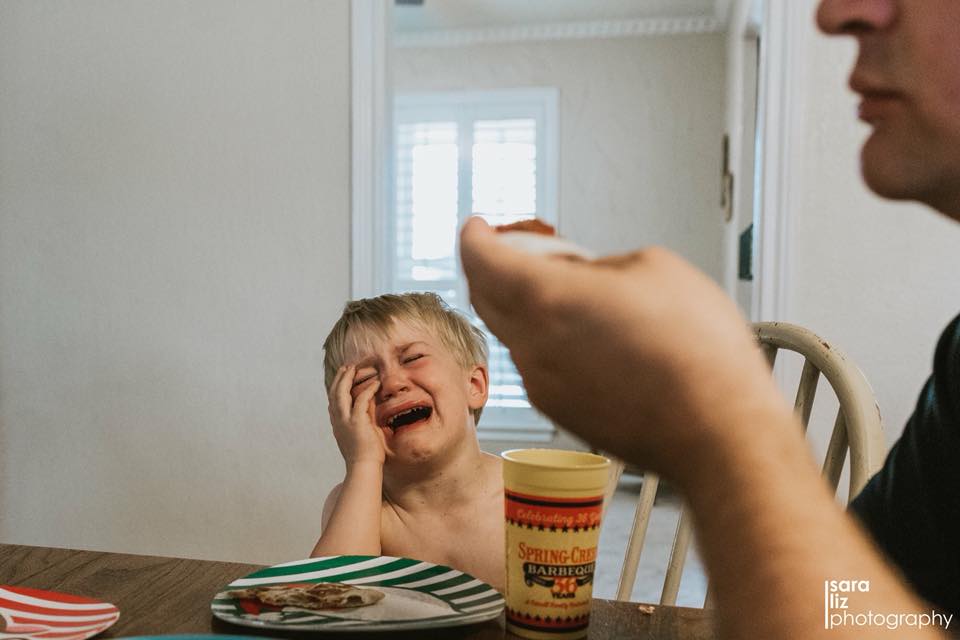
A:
x,y
855,17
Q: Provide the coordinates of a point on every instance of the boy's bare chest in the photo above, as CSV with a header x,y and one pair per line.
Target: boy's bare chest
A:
x,y
471,541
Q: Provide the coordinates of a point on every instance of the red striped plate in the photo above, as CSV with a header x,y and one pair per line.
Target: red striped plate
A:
x,y
36,614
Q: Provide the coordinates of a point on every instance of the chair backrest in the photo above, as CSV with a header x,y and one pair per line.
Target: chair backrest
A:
x,y
857,429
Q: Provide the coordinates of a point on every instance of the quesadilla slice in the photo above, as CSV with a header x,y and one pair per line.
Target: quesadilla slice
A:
x,y
321,595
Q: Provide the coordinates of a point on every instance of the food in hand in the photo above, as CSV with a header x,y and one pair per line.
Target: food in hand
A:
x,y
322,595
537,237
532,225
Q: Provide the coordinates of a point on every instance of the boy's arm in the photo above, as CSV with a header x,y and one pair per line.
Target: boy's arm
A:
x,y
351,513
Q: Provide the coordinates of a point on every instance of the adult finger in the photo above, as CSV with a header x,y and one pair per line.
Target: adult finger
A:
x,y
494,270
501,279
624,260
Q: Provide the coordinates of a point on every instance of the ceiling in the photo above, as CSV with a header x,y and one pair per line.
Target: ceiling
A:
x,y
474,14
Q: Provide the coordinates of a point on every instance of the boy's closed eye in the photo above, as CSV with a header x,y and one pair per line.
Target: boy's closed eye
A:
x,y
366,377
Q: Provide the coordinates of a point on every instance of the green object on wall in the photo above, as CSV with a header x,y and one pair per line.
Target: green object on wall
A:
x,y
745,261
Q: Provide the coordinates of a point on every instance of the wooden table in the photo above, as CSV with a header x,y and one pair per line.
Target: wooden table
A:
x,y
172,595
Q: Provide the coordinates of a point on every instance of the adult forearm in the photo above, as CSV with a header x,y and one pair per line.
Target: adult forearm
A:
x,y
354,524
772,537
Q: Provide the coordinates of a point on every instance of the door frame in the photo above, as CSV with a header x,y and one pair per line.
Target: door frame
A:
x,y
779,125
742,27
371,118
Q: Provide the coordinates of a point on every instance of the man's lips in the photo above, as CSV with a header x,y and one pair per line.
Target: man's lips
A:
x,y
877,101
877,106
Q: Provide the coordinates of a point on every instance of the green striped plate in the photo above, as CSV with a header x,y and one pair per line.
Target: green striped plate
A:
x,y
418,595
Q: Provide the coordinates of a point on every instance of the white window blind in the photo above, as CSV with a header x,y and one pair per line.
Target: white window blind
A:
x,y
462,154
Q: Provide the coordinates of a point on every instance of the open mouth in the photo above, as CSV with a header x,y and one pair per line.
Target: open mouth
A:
x,y
408,417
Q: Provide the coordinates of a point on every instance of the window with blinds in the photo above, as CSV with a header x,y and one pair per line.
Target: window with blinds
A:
x,y
471,153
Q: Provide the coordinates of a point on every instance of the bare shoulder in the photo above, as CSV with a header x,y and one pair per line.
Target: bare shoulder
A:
x,y
395,529
492,459
493,471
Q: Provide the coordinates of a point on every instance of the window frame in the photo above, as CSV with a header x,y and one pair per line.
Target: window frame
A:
x,y
465,108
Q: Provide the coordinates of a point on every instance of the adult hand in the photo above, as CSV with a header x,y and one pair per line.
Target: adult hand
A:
x,y
353,419
641,354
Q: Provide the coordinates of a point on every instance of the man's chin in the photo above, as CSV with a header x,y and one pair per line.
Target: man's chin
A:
x,y
886,172
909,164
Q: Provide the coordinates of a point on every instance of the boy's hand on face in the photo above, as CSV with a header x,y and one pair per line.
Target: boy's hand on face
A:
x,y
353,419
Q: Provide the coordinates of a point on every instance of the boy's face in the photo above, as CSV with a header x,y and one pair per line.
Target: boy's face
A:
x,y
908,74
425,401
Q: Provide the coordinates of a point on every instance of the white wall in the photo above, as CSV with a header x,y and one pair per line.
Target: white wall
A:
x,y
876,278
174,228
641,122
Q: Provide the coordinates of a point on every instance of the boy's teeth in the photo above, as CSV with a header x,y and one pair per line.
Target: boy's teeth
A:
x,y
418,410
395,416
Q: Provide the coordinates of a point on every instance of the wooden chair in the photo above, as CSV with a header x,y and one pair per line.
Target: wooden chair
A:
x,y
857,429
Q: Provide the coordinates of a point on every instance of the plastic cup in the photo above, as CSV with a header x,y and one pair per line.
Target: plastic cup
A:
x,y
553,502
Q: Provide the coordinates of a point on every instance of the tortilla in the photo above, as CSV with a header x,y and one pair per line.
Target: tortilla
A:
x,y
322,595
532,225
539,238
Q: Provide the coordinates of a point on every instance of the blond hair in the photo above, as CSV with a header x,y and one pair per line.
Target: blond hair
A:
x,y
377,315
